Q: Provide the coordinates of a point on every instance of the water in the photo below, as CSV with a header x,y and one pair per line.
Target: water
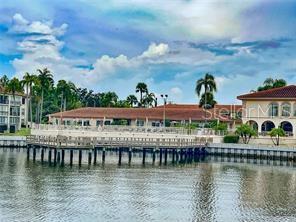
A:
x,y
204,191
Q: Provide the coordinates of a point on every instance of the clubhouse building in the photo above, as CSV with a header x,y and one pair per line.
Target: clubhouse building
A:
x,y
263,110
173,114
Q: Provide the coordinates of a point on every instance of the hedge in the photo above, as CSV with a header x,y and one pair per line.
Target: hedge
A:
x,y
231,139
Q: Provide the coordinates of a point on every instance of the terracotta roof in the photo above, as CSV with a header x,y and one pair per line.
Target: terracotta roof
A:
x,y
281,92
196,114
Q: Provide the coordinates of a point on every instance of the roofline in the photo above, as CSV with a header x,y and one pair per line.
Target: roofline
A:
x,y
245,96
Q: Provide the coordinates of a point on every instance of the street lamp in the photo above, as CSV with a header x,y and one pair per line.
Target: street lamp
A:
x,y
165,97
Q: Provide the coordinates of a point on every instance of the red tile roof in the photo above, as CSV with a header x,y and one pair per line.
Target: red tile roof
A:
x,y
172,113
286,92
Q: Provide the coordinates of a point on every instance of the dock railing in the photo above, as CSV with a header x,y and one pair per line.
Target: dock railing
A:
x,y
91,142
131,129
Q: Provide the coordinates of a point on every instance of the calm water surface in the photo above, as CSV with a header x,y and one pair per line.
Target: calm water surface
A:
x,y
204,191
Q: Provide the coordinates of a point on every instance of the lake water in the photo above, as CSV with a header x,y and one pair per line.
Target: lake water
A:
x,y
204,191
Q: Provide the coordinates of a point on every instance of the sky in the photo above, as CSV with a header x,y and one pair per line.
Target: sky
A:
x,y
111,45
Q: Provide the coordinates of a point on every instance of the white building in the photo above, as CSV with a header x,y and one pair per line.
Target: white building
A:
x,y
13,112
267,109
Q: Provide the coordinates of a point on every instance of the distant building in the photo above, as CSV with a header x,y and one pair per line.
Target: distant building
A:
x,y
265,110
174,114
13,112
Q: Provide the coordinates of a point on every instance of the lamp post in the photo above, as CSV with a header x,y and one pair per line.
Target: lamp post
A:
x,y
165,97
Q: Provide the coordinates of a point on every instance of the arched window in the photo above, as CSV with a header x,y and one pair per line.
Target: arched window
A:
x,y
286,109
273,109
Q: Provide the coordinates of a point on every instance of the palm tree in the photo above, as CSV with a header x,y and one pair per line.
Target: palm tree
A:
x,y
209,85
28,82
132,100
4,81
149,99
211,102
276,134
141,88
271,83
46,82
64,91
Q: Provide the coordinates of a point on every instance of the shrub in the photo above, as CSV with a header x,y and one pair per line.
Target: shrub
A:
x,y
231,139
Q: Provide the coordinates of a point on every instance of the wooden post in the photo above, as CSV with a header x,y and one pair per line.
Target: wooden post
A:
x,y
160,156
49,156
153,155
71,157
144,156
58,157
165,156
63,158
42,155
55,156
28,153
129,155
89,157
120,154
173,155
95,155
80,157
34,154
103,155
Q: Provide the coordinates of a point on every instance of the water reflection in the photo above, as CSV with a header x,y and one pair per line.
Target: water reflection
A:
x,y
214,189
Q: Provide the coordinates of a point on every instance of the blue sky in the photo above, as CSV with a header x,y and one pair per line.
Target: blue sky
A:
x,y
169,44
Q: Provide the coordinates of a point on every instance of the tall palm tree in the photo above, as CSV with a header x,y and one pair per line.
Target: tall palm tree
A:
x,y
207,83
141,88
132,100
46,82
28,82
63,90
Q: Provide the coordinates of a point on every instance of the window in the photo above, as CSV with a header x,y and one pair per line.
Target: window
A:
x,y
286,109
14,120
3,110
156,124
86,123
99,123
273,109
140,122
3,119
3,99
15,111
23,100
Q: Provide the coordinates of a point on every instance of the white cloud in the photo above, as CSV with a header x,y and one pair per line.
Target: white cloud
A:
x,y
155,50
21,25
41,48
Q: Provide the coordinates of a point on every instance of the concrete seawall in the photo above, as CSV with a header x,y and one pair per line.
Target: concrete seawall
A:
x,y
13,141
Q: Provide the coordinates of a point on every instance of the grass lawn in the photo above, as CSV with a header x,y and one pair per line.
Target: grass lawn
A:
x,y
21,132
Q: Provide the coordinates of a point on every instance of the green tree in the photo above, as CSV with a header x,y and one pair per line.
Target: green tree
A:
x,y
4,80
275,135
207,100
109,99
141,88
246,132
46,83
63,90
27,82
271,83
132,100
207,83
14,86
149,100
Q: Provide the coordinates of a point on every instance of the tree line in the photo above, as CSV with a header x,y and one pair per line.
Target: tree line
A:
x,y
44,96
